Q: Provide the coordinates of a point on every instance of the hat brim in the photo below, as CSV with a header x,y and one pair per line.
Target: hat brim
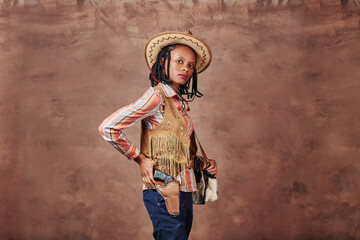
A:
x,y
157,42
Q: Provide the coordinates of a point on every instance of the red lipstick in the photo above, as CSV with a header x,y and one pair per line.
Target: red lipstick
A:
x,y
183,76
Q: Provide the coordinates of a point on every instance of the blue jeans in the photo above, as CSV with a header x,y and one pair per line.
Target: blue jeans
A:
x,y
165,226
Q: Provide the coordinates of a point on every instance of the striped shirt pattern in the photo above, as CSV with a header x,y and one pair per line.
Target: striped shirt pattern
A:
x,y
147,107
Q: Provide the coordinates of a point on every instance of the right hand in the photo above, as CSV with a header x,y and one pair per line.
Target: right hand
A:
x,y
212,168
146,170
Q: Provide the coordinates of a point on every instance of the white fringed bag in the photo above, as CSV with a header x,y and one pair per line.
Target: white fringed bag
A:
x,y
207,187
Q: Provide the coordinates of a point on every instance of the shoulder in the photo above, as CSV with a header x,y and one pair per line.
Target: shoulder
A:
x,y
152,96
158,91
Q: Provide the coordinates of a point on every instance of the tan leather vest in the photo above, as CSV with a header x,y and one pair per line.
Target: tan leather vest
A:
x,y
169,144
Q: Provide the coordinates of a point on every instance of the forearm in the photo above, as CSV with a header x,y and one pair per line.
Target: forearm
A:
x,y
111,129
119,141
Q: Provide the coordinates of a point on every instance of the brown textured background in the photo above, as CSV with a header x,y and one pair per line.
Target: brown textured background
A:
x,y
280,113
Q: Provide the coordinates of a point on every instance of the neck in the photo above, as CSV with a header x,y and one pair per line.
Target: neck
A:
x,y
175,86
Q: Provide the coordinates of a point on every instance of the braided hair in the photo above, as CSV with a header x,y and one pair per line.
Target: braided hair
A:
x,y
157,75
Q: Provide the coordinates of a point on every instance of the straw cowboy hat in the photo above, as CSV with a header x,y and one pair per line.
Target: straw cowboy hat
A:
x,y
202,50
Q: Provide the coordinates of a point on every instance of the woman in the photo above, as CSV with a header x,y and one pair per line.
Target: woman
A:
x,y
168,145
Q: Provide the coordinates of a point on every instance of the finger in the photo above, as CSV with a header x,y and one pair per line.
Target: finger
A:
x,y
211,168
144,181
150,183
212,172
206,165
150,180
213,162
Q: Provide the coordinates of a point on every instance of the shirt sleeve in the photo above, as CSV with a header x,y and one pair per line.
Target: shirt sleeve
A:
x,y
111,128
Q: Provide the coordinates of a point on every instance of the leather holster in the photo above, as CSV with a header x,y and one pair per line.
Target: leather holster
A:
x,y
171,194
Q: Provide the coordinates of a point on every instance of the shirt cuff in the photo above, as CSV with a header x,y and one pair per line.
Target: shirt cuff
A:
x,y
132,153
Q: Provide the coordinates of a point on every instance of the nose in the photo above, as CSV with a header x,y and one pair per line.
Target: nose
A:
x,y
185,68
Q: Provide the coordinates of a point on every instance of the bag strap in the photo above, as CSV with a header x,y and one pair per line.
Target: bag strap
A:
x,y
206,160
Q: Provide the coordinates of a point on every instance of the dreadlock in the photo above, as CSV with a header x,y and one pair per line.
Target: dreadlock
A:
x,y
157,75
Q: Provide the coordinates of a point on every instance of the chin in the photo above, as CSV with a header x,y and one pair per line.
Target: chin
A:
x,y
179,83
183,82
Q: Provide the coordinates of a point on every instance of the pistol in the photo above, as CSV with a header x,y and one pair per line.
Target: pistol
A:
x,y
160,176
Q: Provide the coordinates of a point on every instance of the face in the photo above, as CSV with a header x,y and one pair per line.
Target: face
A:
x,y
182,65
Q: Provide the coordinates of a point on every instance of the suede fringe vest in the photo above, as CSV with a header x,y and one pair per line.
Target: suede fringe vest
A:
x,y
169,143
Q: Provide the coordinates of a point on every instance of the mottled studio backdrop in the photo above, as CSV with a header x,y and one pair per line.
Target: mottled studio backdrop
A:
x,y
280,113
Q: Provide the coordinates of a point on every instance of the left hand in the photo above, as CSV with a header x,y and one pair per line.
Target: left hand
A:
x,y
212,169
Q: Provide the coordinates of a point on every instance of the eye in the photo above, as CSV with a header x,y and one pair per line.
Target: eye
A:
x,y
179,61
191,66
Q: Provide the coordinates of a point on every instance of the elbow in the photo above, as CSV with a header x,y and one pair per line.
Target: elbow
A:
x,y
101,129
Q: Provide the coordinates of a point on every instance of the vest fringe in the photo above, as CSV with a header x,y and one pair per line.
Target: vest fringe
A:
x,y
170,152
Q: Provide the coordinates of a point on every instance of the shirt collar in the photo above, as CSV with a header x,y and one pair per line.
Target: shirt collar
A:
x,y
169,91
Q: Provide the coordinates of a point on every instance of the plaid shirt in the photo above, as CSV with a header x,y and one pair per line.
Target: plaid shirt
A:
x,y
148,108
